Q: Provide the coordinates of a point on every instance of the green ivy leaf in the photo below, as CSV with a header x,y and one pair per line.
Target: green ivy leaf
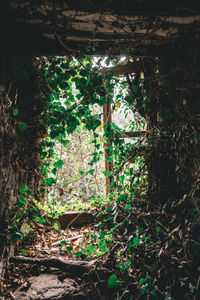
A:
x,y
23,188
83,251
153,293
113,282
54,171
121,178
69,249
122,267
195,139
23,251
62,243
56,226
143,280
16,112
158,229
136,241
134,88
49,181
22,200
192,211
192,288
128,206
78,253
107,173
91,172
59,164
109,159
65,142
40,220
22,126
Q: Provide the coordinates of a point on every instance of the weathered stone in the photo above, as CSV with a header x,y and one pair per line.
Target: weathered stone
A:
x,y
46,286
75,218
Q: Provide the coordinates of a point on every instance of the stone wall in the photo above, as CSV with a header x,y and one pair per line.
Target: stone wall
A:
x,y
20,103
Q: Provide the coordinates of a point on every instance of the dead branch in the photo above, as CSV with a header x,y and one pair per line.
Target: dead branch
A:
x,y
69,266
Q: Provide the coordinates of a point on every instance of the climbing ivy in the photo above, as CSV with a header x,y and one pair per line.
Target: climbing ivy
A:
x,y
73,88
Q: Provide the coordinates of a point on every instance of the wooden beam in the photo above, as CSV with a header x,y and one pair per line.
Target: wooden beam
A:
x,y
132,134
58,27
107,118
124,69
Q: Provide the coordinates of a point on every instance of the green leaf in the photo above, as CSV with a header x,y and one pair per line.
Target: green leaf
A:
x,y
113,282
59,164
69,249
16,112
122,267
62,243
90,248
140,229
97,123
113,184
153,293
136,241
49,181
82,173
22,126
83,251
19,235
23,251
128,206
28,228
56,226
54,171
22,200
91,172
158,229
192,288
121,178
40,220
195,139
65,142
109,159
17,216
143,280
107,173
134,88
23,188
192,211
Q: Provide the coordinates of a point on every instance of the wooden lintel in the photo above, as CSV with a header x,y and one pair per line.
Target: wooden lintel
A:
x,y
129,68
107,118
132,134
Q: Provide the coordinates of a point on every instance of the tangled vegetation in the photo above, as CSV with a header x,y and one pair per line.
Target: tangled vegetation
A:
x,y
151,246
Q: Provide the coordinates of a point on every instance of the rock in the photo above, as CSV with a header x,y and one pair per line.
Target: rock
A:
x,y
46,286
75,218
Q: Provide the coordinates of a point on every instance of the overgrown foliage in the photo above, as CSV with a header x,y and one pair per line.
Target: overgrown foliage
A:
x,y
152,238
73,101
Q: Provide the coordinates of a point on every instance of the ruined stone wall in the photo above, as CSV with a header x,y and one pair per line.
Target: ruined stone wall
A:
x,y
173,164
20,103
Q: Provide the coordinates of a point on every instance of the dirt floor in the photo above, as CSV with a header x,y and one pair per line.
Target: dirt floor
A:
x,y
51,264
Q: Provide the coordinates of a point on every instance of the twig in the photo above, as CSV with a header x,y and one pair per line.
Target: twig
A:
x,y
69,240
